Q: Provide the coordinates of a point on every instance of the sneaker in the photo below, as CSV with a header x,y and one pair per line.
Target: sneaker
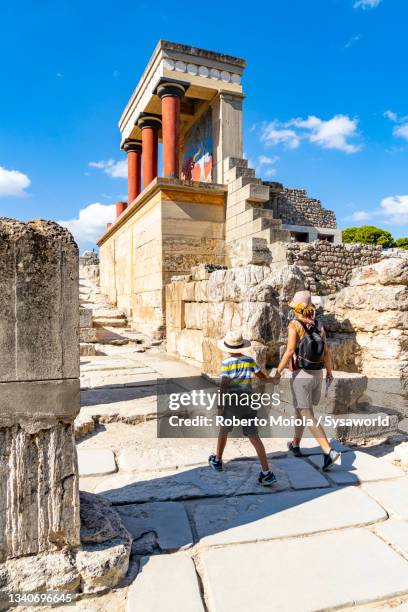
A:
x,y
330,459
295,449
268,479
214,464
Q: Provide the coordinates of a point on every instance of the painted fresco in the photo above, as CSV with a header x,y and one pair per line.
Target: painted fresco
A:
x,y
198,151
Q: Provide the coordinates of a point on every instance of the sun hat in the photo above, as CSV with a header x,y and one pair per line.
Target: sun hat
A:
x,y
233,342
301,297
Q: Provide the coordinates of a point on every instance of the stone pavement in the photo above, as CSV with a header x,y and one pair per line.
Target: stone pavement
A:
x,y
218,542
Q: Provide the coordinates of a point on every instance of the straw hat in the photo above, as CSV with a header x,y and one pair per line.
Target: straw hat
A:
x,y
301,297
233,342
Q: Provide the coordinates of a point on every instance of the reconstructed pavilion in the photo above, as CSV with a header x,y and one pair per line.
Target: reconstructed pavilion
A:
x,y
189,101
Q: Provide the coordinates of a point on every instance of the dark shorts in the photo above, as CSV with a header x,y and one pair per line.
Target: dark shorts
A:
x,y
241,413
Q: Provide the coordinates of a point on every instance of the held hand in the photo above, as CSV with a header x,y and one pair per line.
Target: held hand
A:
x,y
329,377
275,380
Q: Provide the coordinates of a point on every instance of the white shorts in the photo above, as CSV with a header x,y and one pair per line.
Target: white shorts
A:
x,y
306,387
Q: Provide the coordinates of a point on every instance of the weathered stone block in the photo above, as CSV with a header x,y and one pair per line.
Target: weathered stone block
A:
x,y
39,301
195,315
39,395
85,317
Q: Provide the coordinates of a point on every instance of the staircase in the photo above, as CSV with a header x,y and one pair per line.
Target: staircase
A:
x,y
100,322
246,214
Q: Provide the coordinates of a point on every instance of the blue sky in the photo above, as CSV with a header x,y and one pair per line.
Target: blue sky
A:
x,y
326,106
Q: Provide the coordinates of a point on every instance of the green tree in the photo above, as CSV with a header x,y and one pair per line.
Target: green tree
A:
x,y
368,234
402,243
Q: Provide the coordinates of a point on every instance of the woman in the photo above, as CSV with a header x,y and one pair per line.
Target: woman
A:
x,y
307,354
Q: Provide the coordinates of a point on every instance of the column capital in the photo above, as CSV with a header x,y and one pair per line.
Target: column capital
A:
x,y
131,144
146,120
171,87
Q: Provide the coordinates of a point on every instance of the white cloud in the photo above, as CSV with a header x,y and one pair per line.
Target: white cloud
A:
x,y
90,223
265,166
13,183
273,134
401,131
389,114
331,134
365,4
109,166
263,160
352,40
393,210
396,209
360,215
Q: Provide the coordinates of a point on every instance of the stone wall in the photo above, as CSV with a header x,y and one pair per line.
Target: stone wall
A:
x,y
168,229
370,318
294,207
328,267
39,388
201,309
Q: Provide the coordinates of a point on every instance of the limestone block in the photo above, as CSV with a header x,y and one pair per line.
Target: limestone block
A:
x,y
390,297
195,314
188,292
249,251
390,345
175,314
39,301
95,462
39,403
166,582
39,395
349,320
155,518
265,517
39,482
388,271
86,348
203,271
189,344
371,570
392,495
200,294
85,317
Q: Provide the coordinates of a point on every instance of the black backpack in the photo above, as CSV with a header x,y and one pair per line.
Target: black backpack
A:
x,y
310,352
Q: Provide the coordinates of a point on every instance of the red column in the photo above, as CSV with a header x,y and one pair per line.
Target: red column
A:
x,y
171,94
133,149
120,208
150,126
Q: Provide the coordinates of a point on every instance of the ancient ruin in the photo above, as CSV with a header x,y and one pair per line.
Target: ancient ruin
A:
x,y
205,248
51,539
207,200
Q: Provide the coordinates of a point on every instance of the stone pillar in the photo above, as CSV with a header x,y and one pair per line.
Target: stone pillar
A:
x,y
39,388
170,95
150,125
133,149
120,208
227,131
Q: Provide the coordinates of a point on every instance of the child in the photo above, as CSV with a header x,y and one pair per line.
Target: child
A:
x,y
236,374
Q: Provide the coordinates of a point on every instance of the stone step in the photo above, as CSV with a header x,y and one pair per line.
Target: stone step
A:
x,y
109,322
253,192
231,162
241,182
262,223
108,312
102,335
272,235
236,172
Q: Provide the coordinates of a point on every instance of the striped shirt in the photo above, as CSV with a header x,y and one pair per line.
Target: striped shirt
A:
x,y
239,370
